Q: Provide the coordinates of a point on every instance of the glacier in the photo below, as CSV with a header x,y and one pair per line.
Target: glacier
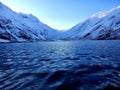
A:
x,y
20,27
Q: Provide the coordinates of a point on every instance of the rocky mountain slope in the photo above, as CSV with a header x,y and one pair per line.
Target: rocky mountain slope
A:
x,y
102,25
22,27
19,27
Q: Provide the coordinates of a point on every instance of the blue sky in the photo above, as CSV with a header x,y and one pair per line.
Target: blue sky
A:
x,y
61,14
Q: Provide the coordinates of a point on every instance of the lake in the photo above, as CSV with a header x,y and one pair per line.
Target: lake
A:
x,y
62,65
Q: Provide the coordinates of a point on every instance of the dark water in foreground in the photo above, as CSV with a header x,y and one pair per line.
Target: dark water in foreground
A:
x,y
78,65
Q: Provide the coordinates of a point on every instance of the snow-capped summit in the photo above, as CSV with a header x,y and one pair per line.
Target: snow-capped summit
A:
x,y
102,25
23,27
99,15
19,27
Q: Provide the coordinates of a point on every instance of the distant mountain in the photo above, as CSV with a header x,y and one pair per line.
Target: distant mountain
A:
x,y
19,27
102,25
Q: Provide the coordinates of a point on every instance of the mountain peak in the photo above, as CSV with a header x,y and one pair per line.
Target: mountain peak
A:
x,y
22,27
100,14
26,27
102,25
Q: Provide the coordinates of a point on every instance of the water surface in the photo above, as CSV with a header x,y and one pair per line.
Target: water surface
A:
x,y
63,65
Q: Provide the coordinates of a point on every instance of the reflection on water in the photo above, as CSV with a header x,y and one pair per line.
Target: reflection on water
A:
x,y
74,65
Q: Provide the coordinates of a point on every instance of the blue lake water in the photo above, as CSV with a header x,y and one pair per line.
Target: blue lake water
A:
x,y
62,65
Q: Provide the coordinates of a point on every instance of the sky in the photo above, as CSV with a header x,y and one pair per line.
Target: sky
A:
x,y
61,14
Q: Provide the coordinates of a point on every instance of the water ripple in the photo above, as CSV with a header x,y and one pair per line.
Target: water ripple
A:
x,y
83,65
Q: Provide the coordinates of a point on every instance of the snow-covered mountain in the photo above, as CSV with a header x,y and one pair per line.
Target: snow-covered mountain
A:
x,y
19,27
102,25
22,27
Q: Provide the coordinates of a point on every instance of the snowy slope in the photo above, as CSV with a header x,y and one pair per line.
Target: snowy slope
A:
x,y
22,27
19,27
102,25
